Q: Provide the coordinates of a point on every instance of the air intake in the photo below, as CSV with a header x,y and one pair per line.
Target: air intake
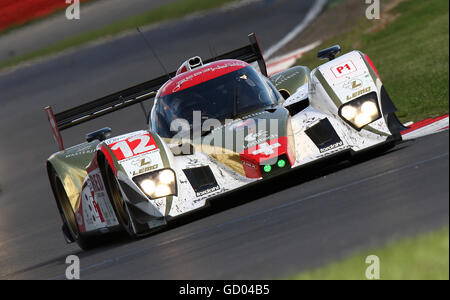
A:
x,y
190,64
195,62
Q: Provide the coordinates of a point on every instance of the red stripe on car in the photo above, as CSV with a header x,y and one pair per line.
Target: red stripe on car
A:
x,y
200,75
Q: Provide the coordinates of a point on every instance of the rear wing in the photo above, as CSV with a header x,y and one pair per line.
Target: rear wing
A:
x,y
139,93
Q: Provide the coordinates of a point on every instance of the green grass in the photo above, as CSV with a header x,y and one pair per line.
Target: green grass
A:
x,y
163,13
420,258
411,55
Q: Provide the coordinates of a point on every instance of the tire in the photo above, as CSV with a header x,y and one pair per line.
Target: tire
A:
x,y
67,214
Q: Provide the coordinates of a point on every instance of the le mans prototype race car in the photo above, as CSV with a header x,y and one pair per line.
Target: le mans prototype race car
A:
x,y
215,126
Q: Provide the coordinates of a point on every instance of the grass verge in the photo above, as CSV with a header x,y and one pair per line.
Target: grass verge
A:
x,y
421,258
163,13
411,54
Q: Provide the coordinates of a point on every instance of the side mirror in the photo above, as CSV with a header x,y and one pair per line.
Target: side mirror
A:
x,y
101,135
329,53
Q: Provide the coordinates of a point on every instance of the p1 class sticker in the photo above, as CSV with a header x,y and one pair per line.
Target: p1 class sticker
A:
x,y
344,69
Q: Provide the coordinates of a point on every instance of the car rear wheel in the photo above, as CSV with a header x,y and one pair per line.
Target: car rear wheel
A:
x,y
67,214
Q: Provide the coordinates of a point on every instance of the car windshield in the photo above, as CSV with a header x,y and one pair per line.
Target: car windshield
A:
x,y
227,97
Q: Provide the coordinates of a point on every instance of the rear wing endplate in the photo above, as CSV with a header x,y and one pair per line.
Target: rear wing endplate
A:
x,y
139,93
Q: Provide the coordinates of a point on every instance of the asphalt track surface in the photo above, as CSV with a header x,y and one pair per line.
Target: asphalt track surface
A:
x,y
300,224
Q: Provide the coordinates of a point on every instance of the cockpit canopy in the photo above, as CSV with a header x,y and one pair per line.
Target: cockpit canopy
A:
x,y
237,93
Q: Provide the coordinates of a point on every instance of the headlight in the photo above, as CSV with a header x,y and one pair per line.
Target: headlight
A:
x,y
361,112
349,112
148,186
157,184
167,176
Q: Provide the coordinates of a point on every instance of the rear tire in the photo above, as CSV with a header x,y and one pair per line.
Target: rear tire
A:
x,y
67,214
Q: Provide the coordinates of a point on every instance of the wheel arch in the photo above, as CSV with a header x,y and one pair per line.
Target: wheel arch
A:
x,y
288,82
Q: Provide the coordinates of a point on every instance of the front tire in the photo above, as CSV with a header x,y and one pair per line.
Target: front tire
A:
x,y
120,207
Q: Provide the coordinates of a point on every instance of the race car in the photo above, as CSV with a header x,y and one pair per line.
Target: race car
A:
x,y
214,127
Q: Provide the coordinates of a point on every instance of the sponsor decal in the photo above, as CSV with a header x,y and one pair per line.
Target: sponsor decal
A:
x,y
249,121
197,76
353,84
331,147
240,124
98,211
90,215
79,219
96,182
255,138
82,151
142,162
283,77
266,149
144,170
359,93
206,70
208,191
248,164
